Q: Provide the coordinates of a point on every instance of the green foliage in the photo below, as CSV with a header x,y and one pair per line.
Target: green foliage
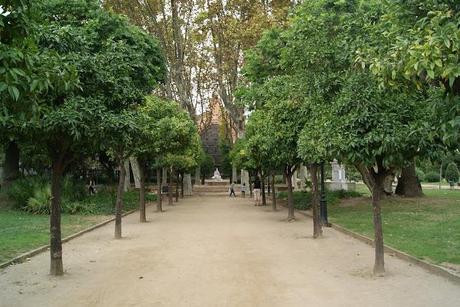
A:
x,y
23,189
418,48
103,202
302,200
420,175
452,173
169,135
40,202
73,189
432,177
207,165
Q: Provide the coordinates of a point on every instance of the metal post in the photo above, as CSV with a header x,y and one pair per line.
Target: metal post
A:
x,y
322,202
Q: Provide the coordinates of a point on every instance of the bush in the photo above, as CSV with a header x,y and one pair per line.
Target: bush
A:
x,y
302,200
40,202
452,174
73,189
23,189
432,177
420,175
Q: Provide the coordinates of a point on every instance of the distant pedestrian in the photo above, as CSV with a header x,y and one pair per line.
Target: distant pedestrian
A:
x,y
232,190
257,186
92,188
243,189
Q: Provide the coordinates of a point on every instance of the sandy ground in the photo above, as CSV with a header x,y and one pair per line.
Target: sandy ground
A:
x,y
220,252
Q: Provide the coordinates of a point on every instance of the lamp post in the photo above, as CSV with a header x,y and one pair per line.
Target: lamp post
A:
x,y
322,202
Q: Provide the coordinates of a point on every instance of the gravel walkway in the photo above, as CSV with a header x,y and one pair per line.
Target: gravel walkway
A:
x,y
212,251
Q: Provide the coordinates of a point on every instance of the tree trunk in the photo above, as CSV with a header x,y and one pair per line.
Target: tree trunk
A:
x,y
11,165
379,266
408,183
317,230
119,202
264,198
273,193
141,170
369,180
268,185
388,184
56,267
182,185
160,187
170,195
177,187
251,192
291,216
197,175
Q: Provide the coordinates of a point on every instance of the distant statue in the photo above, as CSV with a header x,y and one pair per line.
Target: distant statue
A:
x,y
217,175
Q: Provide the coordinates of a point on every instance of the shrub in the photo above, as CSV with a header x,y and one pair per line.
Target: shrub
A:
x,y
23,189
40,202
420,175
432,177
79,207
73,189
302,200
452,174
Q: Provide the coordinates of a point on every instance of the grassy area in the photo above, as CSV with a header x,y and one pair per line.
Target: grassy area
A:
x,y
427,227
21,231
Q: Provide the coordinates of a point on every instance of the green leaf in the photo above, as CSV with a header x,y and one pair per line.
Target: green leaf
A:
x,y
14,92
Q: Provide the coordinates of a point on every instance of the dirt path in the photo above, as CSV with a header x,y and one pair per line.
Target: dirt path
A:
x,y
220,252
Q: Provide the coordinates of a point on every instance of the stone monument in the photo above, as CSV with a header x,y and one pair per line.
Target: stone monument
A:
x,y
339,179
217,175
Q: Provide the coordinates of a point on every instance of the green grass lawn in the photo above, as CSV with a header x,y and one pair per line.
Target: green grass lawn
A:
x,y
21,232
427,227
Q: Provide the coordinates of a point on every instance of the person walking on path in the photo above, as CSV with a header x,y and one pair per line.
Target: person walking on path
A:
x,y
232,190
243,189
257,191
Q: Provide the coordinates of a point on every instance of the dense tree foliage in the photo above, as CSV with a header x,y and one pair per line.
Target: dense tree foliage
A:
x,y
98,69
317,72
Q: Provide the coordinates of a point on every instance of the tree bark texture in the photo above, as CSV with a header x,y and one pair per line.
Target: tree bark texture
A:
x,y
56,267
170,195
11,165
379,265
408,183
264,196
369,180
160,187
182,185
177,187
317,230
289,173
268,185
119,201
273,193
141,172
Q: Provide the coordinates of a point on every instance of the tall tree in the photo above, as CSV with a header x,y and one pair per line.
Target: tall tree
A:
x,y
113,64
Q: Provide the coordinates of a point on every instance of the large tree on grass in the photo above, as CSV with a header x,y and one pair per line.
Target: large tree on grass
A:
x,y
115,65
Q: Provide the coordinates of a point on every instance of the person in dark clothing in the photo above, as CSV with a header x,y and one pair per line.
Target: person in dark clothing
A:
x,y
257,186
232,190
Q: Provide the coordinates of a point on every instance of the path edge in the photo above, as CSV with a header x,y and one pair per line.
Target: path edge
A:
x,y
430,267
23,257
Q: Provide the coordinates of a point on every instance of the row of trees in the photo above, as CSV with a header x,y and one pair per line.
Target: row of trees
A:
x,y
73,83
374,84
204,42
